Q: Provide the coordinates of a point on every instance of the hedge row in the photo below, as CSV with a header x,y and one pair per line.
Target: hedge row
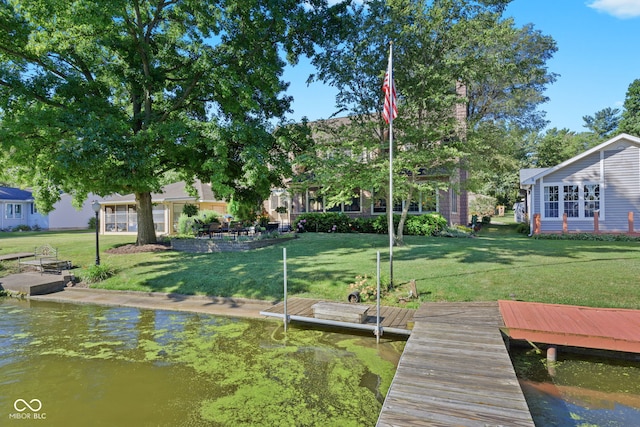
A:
x,y
337,222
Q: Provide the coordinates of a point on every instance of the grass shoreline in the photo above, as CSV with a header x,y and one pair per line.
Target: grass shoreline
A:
x,y
497,264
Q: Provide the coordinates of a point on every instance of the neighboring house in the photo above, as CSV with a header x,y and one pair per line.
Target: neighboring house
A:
x,y
17,207
597,191
118,213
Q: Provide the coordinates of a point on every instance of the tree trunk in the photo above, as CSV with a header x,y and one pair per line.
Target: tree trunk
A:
x,y
144,211
399,239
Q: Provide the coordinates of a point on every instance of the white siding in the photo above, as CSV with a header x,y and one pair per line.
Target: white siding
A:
x,y
587,169
65,216
622,189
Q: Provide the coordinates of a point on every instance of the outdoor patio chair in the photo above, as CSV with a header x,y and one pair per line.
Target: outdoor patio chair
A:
x,y
215,228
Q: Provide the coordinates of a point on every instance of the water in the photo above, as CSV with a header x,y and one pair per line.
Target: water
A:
x,y
579,390
80,365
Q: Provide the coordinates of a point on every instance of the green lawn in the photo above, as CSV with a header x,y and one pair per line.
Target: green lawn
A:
x,y
498,264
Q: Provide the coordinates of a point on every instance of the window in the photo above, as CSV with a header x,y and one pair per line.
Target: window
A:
x,y
551,199
115,218
380,206
316,202
13,211
414,206
354,206
132,218
571,201
124,218
454,201
591,199
578,200
158,218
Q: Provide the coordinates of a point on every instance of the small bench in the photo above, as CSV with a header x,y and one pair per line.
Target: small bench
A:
x,y
45,259
352,313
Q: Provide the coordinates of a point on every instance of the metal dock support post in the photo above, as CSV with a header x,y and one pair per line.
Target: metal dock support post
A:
x,y
378,330
286,315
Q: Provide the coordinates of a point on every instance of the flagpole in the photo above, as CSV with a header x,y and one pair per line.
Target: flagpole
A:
x,y
390,203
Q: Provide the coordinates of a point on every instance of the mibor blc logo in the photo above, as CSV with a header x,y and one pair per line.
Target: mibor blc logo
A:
x,y
27,410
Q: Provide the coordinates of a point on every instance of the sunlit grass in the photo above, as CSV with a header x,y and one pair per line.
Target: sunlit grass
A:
x,y
498,264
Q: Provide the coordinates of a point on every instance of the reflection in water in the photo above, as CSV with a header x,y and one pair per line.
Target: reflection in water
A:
x,y
579,390
106,366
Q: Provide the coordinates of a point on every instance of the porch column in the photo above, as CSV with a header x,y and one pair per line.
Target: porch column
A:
x,y
596,224
565,228
630,218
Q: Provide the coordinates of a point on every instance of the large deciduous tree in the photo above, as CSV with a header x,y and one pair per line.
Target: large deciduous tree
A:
x,y
107,96
439,47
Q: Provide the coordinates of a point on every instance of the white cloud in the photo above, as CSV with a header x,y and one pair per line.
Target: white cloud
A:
x,y
618,8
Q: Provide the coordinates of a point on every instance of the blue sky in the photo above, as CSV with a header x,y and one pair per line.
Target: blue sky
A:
x,y
597,59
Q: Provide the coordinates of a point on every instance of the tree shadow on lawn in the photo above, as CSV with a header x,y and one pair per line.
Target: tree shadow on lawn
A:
x,y
321,266
240,275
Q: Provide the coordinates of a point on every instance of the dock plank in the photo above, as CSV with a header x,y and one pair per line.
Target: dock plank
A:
x,y
14,256
455,370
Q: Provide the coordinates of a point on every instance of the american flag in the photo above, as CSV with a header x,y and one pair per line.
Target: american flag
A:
x,y
390,111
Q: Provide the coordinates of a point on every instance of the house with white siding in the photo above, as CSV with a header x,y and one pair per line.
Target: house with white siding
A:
x,y
18,208
597,191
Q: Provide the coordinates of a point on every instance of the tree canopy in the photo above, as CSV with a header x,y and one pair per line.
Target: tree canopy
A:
x,y
630,122
603,123
449,55
107,96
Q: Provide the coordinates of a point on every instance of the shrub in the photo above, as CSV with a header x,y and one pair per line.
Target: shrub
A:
x,y
381,223
187,225
92,223
523,228
589,237
362,225
98,273
190,210
457,231
209,216
482,205
21,227
417,225
328,222
425,225
337,222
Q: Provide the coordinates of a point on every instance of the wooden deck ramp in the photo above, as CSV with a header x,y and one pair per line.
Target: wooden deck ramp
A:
x,y
455,371
393,320
575,326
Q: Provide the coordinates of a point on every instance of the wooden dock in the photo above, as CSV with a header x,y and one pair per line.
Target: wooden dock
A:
x,y
574,326
9,257
455,371
393,320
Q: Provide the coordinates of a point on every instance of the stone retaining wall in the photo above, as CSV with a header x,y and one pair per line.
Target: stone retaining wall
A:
x,y
212,245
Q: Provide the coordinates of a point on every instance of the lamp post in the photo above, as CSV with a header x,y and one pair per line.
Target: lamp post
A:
x,y
96,208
